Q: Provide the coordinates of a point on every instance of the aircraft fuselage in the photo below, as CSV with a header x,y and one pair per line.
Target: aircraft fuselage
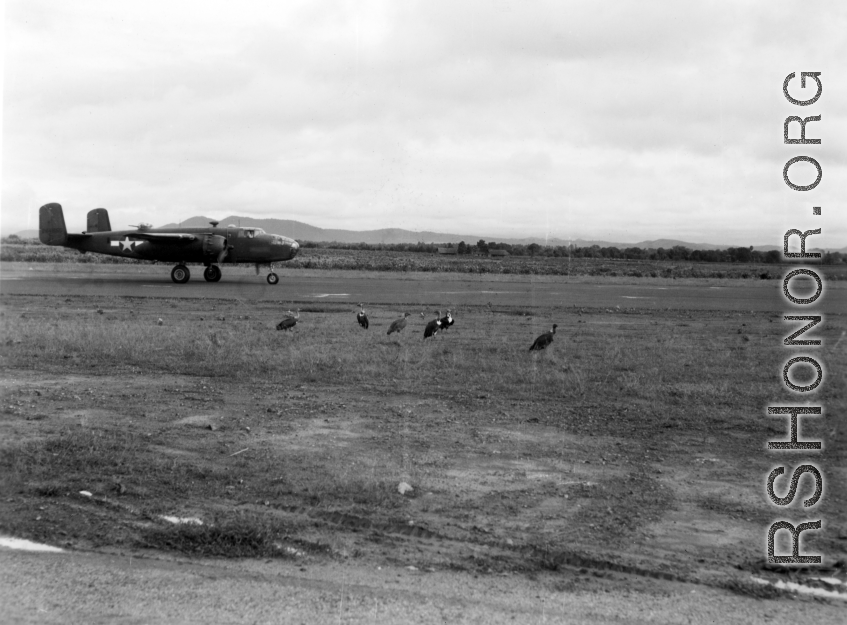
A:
x,y
189,245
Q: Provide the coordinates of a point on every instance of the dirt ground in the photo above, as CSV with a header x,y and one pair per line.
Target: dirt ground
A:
x,y
579,490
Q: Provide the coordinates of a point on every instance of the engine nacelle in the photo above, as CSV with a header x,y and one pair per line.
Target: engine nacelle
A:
x,y
213,244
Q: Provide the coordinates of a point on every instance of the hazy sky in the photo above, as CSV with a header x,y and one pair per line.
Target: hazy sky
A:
x,y
616,120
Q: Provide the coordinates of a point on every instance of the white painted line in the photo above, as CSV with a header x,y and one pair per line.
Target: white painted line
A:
x,y
176,520
635,297
22,544
805,590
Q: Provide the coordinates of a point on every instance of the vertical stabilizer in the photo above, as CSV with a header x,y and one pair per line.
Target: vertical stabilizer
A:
x,y
51,225
98,221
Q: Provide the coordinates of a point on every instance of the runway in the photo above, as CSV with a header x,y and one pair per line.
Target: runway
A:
x,y
312,286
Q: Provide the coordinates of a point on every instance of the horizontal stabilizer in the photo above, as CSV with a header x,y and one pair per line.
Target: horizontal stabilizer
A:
x,y
98,221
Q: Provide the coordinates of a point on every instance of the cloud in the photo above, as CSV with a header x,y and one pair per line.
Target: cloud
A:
x,y
635,119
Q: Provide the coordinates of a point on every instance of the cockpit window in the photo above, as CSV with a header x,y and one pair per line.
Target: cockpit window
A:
x,y
249,233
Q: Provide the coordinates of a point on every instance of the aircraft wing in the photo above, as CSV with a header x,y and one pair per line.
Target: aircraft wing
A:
x,y
164,237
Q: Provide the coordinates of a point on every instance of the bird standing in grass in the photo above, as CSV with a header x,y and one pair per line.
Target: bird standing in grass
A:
x,y
447,320
432,327
289,322
362,318
544,340
398,324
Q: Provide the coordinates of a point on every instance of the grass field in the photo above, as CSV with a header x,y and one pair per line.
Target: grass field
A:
x,y
633,447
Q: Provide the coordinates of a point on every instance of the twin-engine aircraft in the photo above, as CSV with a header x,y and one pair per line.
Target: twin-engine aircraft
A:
x,y
211,246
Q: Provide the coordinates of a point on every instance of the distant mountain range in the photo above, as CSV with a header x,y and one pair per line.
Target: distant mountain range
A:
x,y
304,232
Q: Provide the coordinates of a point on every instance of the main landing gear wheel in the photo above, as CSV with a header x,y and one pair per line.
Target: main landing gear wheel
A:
x,y
212,273
180,274
273,278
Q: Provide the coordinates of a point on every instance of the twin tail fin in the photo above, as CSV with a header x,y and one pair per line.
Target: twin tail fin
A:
x,y
51,224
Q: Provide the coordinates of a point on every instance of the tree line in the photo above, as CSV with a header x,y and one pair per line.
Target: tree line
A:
x,y
482,248
675,253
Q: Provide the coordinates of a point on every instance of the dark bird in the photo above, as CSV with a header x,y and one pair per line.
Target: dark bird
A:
x,y
447,320
289,322
398,324
544,340
362,318
432,327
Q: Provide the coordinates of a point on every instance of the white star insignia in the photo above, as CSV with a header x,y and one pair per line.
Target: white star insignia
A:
x,y
126,245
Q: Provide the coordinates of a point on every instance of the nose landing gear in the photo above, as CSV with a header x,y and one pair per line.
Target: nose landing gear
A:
x,y
272,277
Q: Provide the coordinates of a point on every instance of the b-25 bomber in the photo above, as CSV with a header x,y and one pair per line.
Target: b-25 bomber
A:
x,y
211,246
